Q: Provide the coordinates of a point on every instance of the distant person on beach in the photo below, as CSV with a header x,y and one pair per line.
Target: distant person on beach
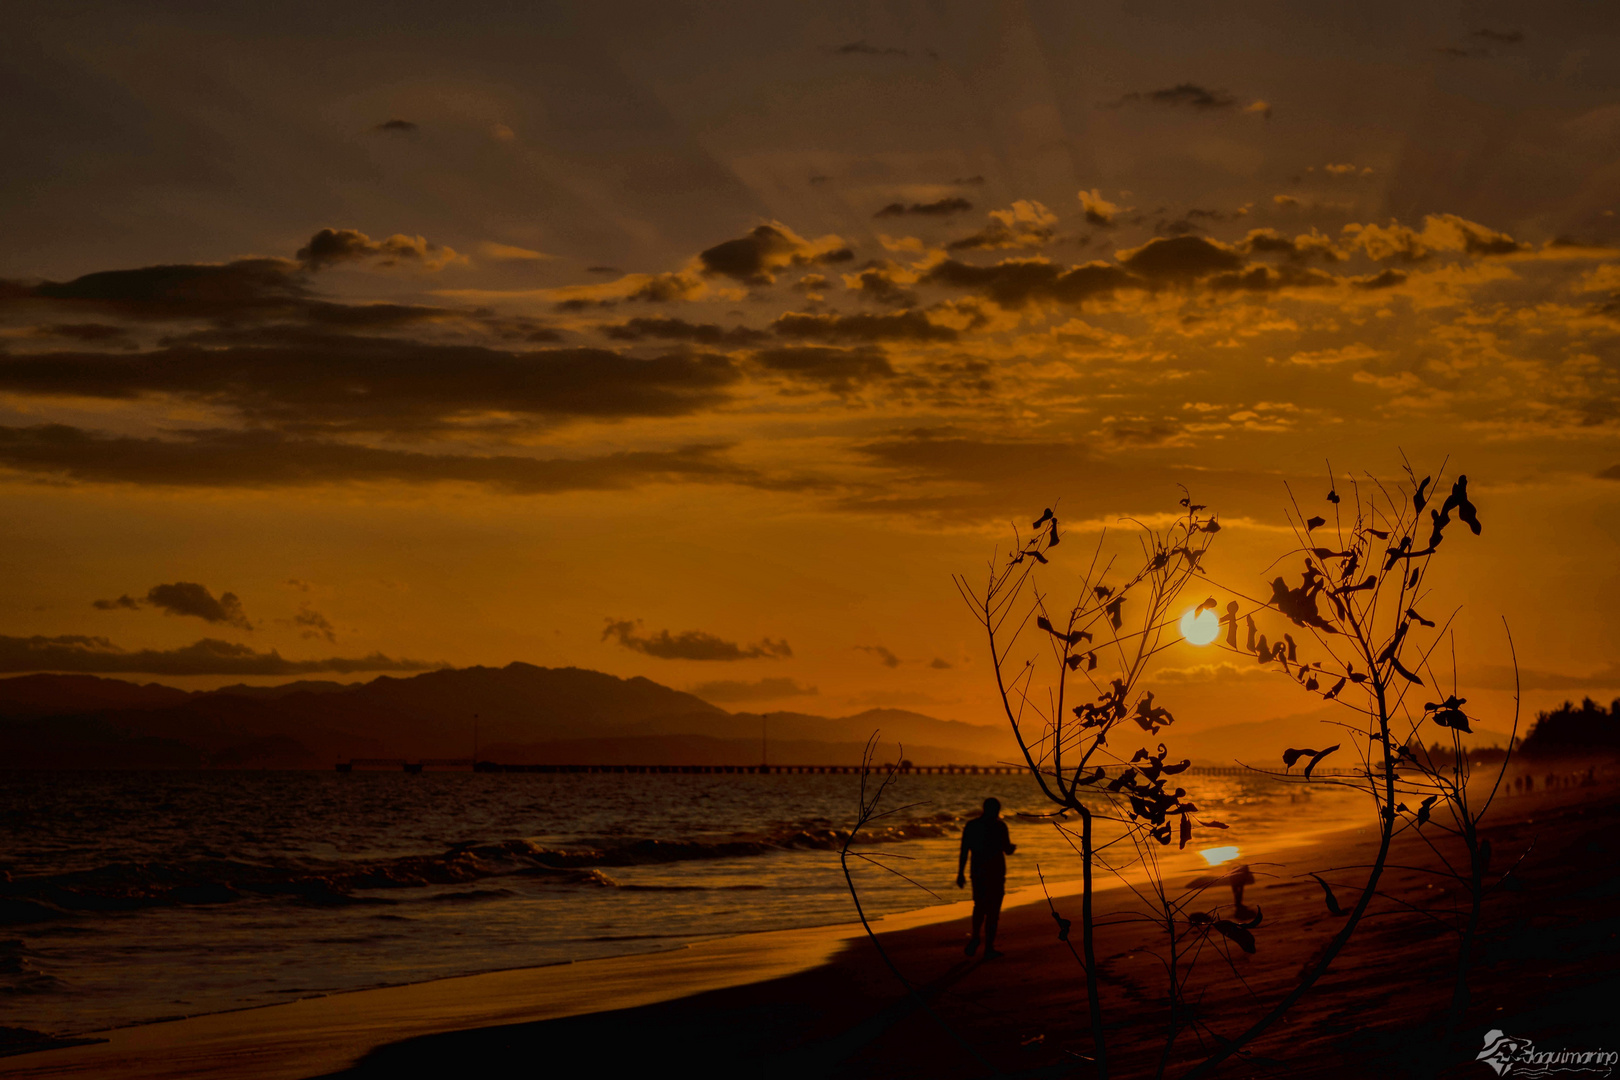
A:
x,y
985,839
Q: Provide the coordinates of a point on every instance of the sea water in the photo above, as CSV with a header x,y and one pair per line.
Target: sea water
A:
x,y
129,897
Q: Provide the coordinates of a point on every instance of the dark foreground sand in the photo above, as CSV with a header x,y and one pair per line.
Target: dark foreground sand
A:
x,y
819,1002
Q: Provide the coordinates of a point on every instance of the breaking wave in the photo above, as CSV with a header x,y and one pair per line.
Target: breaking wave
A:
x,y
130,886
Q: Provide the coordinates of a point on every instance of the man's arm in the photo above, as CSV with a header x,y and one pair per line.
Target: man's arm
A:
x,y
1006,840
961,862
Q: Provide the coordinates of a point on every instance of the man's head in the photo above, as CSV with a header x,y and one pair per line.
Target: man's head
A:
x,y
992,807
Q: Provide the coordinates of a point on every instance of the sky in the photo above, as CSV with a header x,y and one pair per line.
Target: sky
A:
x,y
706,342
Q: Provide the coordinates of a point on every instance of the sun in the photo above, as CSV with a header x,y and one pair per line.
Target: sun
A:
x,y
1200,627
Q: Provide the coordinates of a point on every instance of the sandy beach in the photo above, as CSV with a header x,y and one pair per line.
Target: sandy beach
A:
x,y
819,1001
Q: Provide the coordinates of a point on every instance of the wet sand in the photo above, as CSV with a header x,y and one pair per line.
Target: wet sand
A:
x,y
821,1002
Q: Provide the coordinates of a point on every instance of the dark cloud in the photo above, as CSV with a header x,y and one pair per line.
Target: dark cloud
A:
x,y
1611,473
876,284
303,379
185,598
1182,95
1269,279
754,258
262,459
1143,434
602,270
900,326
332,246
838,370
670,329
939,663
190,598
1296,248
690,644
312,624
243,292
1001,234
1502,37
90,333
1178,227
404,126
1180,257
861,48
209,656
226,290
1015,282
730,690
1384,279
969,181
885,657
940,208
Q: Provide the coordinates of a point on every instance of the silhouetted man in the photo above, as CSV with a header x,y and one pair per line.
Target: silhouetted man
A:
x,y
985,839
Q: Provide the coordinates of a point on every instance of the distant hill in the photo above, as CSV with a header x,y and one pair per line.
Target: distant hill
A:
x,y
521,710
29,697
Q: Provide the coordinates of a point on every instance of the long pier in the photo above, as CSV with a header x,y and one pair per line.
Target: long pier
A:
x,y
417,766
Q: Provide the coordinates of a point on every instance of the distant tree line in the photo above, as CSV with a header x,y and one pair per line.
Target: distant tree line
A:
x,y
1570,728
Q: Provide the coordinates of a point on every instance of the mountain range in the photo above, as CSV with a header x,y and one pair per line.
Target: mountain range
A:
x,y
516,714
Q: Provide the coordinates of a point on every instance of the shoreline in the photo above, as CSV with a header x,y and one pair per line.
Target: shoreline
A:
x,y
342,1031
330,1032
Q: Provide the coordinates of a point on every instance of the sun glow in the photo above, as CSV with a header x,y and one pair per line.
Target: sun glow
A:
x,y
1215,856
1200,627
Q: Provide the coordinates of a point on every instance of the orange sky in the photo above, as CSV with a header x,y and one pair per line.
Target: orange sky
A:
x,y
754,324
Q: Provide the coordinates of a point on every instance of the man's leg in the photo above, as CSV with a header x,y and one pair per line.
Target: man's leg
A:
x,y
980,911
992,918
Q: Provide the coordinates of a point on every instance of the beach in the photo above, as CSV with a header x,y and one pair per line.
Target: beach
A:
x,y
820,1000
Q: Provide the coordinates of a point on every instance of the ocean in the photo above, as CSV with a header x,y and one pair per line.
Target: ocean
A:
x,y
130,897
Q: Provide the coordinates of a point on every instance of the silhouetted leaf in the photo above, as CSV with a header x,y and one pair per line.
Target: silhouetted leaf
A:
x,y
1113,612
1315,523
1044,518
1318,756
1207,605
1200,918
1254,923
1052,536
1333,497
1465,509
1063,926
1396,661
1453,718
1332,901
1240,937
1213,824
1425,807
1333,693
1186,830
1410,614
1420,497
1038,557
